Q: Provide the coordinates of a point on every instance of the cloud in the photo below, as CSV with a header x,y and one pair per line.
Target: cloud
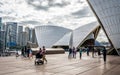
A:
x,y
85,12
26,16
46,4
1,11
1,4
8,18
37,5
58,4
19,1
67,13
30,22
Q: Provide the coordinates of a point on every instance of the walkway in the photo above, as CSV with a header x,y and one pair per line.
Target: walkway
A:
x,y
59,64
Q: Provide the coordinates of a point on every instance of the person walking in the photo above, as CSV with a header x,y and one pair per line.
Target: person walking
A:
x,y
87,49
30,53
17,54
80,52
104,54
27,52
74,52
93,52
99,52
22,52
44,54
70,52
40,50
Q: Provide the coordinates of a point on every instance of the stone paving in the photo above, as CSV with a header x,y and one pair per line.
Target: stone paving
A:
x,y
59,64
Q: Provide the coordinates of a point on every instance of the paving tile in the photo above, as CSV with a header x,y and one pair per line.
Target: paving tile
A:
x,y
22,72
94,71
59,64
29,72
60,69
9,71
75,71
113,71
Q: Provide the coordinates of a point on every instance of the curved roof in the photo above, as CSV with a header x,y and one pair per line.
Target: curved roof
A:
x,y
48,35
64,41
81,33
58,36
108,12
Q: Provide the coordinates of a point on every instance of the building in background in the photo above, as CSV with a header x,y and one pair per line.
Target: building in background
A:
x,y
11,34
20,32
0,23
24,38
33,36
2,40
2,36
28,31
3,26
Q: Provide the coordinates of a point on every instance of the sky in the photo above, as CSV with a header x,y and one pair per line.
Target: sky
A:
x,y
65,13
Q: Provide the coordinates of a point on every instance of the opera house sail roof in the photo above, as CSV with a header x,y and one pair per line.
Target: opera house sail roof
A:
x,y
81,33
108,14
64,41
50,36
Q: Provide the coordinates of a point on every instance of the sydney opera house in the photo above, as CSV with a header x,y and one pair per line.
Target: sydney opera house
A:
x,y
107,13
57,37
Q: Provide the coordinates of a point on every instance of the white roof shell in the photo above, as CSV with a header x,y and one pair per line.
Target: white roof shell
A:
x,y
81,33
58,36
77,36
48,35
64,41
108,11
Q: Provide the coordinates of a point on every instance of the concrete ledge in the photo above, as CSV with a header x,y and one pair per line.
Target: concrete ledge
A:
x,y
50,50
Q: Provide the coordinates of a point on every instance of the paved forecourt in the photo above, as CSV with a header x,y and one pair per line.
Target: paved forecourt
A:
x,y
59,64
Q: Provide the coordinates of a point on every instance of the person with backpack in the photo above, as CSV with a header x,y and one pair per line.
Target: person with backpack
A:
x,y
29,52
44,54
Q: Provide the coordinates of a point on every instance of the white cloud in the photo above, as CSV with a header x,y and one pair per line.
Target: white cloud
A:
x,y
102,37
66,13
57,12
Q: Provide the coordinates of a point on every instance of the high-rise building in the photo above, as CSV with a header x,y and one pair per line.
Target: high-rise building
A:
x,y
0,22
11,34
0,34
24,38
3,27
20,30
2,40
31,37
28,32
34,39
